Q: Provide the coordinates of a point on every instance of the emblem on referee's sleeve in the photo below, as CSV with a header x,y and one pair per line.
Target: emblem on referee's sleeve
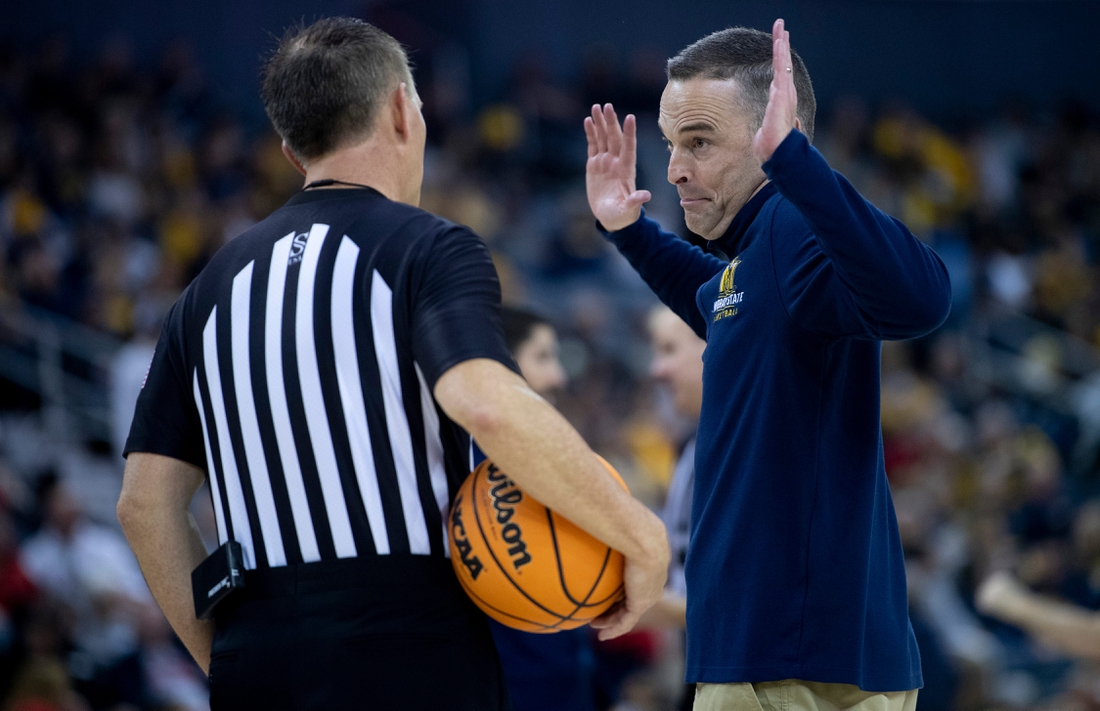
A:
x,y
728,296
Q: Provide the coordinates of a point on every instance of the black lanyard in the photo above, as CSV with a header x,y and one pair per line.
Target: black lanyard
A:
x,y
332,181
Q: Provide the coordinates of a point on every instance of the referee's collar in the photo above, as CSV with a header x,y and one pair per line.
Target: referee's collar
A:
x,y
321,194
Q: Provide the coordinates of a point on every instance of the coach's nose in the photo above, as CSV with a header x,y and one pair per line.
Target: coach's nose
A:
x,y
678,172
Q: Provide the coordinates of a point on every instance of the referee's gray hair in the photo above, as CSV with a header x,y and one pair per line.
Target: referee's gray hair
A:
x,y
745,55
323,86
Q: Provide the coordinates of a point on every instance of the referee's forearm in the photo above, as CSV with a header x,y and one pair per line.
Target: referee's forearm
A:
x,y
167,544
548,459
531,441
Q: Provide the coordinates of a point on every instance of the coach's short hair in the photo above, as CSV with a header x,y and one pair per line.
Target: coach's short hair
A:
x,y
323,87
744,54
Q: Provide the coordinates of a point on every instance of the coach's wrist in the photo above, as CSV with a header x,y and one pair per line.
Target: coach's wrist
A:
x,y
622,223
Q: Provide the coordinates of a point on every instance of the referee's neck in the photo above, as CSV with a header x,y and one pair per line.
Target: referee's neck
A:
x,y
373,163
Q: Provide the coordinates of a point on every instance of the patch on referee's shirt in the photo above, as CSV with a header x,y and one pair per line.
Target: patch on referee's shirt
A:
x,y
297,248
729,298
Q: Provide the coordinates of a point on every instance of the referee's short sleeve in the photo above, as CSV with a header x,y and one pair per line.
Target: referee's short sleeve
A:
x,y
166,420
456,310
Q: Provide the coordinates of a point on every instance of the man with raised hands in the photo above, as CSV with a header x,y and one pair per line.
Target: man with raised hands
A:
x,y
796,593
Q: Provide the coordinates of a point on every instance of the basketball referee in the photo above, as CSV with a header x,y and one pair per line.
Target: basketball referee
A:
x,y
325,372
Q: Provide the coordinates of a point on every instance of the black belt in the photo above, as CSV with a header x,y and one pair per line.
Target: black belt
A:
x,y
380,572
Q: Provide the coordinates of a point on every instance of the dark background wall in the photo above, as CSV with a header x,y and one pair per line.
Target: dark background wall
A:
x,y
949,58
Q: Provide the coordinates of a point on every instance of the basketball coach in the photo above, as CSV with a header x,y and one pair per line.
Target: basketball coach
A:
x,y
796,592
325,371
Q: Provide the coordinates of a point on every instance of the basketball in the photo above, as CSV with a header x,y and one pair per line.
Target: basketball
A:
x,y
524,565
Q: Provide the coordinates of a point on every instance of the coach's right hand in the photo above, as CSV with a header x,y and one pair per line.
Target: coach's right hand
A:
x,y
609,176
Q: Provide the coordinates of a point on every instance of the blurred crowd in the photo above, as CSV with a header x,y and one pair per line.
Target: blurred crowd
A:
x,y
119,180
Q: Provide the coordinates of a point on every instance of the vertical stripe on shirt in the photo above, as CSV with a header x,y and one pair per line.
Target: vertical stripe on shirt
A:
x,y
351,390
280,413
242,532
250,426
434,446
397,422
313,399
215,489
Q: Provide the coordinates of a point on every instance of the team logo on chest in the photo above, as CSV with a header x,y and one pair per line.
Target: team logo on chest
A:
x,y
729,298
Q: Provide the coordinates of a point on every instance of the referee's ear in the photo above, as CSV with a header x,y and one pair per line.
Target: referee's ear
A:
x,y
402,108
293,160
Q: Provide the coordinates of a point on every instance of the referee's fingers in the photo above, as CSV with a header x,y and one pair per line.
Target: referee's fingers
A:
x,y
616,622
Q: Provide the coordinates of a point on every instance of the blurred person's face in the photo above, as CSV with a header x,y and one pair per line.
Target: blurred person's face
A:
x,y
1086,531
711,164
678,360
62,510
537,358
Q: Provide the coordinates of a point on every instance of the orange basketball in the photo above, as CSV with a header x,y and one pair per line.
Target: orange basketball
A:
x,y
523,564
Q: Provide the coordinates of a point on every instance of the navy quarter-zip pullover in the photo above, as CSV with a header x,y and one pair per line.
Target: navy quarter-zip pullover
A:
x,y
795,566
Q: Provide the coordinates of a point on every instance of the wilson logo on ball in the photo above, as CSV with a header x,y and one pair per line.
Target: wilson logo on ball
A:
x,y
524,565
505,498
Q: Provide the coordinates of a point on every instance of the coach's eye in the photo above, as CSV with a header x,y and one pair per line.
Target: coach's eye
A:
x,y
698,143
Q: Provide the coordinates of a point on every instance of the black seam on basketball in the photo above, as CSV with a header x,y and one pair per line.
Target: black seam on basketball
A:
x,y
596,603
496,560
561,577
561,571
496,609
617,594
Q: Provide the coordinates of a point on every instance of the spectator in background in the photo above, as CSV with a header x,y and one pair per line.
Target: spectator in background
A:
x,y
544,672
1070,629
17,593
534,344
90,571
678,364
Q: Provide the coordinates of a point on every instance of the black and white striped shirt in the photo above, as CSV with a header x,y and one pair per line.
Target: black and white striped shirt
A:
x,y
297,370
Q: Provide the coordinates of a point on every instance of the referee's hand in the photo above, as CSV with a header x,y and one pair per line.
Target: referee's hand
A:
x,y
609,175
644,580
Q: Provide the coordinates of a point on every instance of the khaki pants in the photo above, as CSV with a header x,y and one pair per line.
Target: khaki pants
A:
x,y
795,695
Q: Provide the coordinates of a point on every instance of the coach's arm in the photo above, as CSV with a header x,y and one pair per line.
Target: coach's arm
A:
x,y
153,511
530,440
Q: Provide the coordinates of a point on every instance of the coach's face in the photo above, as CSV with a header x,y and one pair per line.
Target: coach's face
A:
x,y
711,164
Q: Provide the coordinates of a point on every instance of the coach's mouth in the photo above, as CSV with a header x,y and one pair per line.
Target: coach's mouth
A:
x,y
692,202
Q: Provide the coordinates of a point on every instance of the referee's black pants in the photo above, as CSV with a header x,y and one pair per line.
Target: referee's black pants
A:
x,y
391,632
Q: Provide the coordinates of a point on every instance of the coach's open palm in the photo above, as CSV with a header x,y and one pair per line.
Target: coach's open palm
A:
x,y
612,153
782,113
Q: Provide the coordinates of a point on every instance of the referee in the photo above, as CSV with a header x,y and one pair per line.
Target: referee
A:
x,y
325,372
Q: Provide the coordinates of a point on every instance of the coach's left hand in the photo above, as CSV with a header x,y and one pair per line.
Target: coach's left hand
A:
x,y
780,116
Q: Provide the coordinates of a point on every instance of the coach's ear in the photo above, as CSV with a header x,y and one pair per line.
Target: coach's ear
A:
x,y
293,160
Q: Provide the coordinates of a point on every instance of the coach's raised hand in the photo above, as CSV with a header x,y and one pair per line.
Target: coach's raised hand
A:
x,y
781,115
612,154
